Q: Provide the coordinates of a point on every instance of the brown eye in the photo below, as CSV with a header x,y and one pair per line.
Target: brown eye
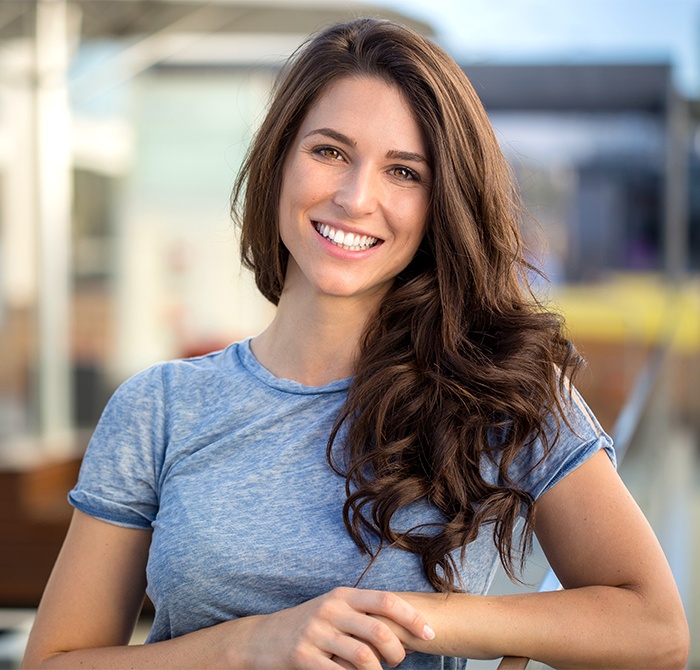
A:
x,y
405,174
329,152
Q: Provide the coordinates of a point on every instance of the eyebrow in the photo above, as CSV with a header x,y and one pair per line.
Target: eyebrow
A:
x,y
344,139
333,134
406,156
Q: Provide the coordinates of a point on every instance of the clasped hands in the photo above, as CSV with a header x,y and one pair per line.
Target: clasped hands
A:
x,y
348,628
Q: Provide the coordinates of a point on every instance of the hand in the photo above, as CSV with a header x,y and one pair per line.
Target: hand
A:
x,y
344,628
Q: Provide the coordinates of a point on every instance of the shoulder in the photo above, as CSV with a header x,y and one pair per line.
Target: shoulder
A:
x,y
572,439
142,430
567,440
147,404
167,379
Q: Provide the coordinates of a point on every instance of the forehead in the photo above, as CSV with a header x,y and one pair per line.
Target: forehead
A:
x,y
367,108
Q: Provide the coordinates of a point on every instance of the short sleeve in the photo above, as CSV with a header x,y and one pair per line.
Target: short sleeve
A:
x,y
119,476
578,438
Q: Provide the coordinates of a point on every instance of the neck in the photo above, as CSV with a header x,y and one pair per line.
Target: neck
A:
x,y
315,341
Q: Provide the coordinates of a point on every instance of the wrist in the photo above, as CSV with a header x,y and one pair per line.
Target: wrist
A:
x,y
439,610
238,651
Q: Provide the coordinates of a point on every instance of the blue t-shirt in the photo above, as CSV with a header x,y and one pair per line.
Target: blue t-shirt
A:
x,y
226,463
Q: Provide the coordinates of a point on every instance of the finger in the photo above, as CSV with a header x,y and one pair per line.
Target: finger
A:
x,y
350,652
377,633
342,663
391,606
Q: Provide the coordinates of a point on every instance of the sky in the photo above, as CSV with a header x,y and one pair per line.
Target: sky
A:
x,y
566,31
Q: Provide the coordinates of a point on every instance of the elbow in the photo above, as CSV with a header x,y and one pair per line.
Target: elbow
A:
x,y
676,657
671,645
679,647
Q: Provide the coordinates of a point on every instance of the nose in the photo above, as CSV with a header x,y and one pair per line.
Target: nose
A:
x,y
358,192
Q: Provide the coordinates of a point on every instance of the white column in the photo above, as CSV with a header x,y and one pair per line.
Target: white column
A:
x,y
18,245
53,221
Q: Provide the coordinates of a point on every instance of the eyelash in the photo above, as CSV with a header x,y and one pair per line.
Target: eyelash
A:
x,y
411,175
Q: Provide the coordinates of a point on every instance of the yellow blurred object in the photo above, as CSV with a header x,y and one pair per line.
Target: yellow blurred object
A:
x,y
641,308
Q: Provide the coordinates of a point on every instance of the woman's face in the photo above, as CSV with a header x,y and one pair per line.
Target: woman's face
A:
x,y
355,191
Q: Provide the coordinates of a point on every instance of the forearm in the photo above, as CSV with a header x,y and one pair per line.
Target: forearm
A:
x,y
596,626
220,646
341,624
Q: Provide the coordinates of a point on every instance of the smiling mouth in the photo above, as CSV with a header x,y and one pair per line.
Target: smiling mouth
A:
x,y
349,241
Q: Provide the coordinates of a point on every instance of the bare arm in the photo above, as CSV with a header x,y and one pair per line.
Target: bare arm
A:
x,y
620,609
97,587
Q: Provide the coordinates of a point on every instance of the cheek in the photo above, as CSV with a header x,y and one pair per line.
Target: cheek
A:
x,y
314,186
412,216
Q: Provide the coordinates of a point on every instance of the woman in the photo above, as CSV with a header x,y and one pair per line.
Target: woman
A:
x,y
336,492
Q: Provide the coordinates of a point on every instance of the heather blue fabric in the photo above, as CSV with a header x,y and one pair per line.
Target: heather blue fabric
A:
x,y
227,464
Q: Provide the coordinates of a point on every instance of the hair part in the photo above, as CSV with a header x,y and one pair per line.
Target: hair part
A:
x,y
459,350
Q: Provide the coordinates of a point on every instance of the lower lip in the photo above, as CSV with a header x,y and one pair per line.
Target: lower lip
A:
x,y
340,252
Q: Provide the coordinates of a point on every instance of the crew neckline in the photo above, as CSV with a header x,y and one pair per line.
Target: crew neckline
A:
x,y
253,365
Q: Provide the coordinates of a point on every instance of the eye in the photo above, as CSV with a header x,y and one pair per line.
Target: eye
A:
x,y
404,173
328,152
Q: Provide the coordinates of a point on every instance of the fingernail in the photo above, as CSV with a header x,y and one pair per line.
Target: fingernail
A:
x,y
428,632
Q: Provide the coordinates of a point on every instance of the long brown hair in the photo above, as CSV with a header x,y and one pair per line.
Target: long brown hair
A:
x,y
460,363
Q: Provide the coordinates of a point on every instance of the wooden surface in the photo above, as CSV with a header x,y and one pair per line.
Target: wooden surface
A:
x,y
34,517
513,663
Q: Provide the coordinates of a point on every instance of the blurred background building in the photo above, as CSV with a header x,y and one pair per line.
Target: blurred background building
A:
x,y
123,123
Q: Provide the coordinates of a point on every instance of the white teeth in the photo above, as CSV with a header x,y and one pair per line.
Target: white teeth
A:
x,y
350,241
